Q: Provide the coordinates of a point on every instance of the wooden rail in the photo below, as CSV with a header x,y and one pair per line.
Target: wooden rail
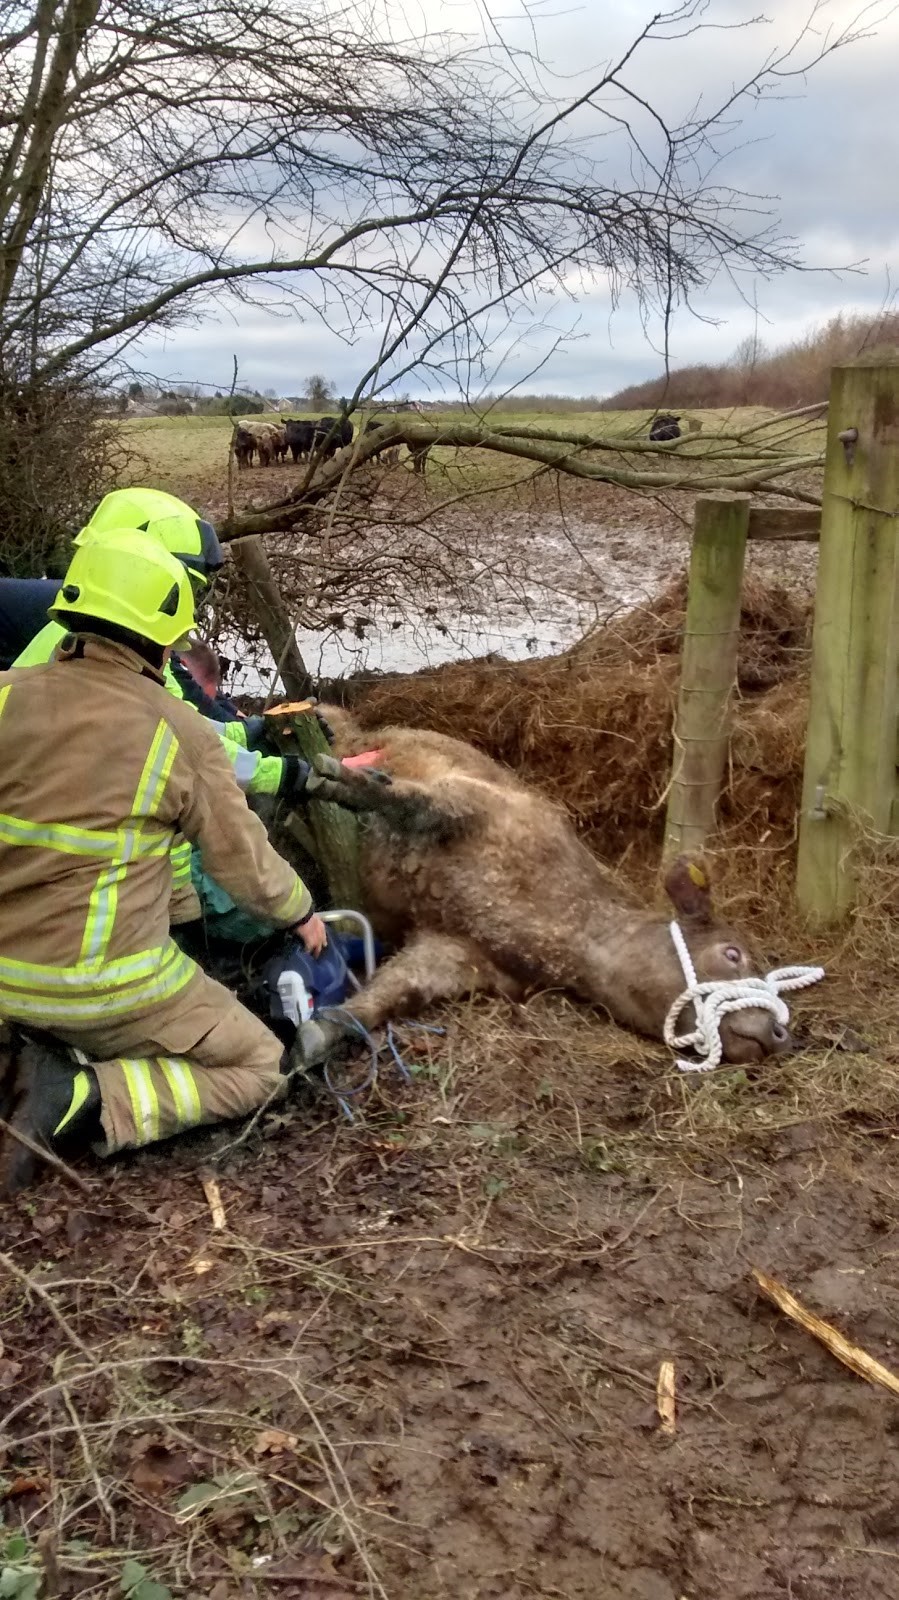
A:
x,y
798,523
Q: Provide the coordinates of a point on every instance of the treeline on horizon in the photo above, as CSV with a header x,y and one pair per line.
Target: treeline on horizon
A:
x,y
785,378
796,374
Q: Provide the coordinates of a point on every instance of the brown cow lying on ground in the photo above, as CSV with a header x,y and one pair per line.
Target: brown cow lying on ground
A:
x,y
482,883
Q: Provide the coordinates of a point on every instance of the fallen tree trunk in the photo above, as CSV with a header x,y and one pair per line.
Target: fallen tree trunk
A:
x,y
699,464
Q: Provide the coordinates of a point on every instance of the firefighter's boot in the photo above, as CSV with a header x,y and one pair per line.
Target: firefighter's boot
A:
x,y
57,1107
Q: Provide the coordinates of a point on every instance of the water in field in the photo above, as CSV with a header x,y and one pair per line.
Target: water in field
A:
x,y
565,580
536,581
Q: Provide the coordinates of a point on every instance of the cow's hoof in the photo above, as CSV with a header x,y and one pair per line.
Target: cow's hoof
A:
x,y
314,1043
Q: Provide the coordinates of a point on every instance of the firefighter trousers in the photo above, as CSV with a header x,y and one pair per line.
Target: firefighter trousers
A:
x,y
197,1058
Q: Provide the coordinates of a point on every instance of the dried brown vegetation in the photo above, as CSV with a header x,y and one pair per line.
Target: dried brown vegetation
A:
x,y
797,374
593,726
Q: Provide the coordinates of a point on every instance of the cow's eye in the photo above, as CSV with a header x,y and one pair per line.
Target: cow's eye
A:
x,y
733,953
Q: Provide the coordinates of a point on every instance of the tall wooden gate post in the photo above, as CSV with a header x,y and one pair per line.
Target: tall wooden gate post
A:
x,y
850,761
708,669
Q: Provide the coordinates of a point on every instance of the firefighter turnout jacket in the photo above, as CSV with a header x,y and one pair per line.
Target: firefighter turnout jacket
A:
x,y
100,769
256,773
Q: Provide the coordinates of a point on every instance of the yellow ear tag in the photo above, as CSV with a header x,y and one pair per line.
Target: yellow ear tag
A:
x,y
697,876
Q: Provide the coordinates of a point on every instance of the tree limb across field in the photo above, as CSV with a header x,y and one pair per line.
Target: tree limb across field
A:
x,y
739,462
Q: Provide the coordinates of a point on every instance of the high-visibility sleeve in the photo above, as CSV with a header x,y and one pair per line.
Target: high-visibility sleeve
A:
x,y
233,844
42,646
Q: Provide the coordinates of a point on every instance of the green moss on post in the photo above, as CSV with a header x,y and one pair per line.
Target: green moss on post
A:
x,y
334,832
850,762
271,614
708,670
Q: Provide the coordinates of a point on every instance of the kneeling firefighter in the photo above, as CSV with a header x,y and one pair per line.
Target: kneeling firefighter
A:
x,y
100,769
195,544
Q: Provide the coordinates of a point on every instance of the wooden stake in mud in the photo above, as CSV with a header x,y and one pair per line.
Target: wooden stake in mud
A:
x,y
708,670
850,760
334,831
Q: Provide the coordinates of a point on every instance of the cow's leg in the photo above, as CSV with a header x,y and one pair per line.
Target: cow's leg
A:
x,y
431,967
435,814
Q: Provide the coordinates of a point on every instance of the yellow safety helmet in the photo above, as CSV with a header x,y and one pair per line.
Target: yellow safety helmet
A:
x,y
189,537
127,578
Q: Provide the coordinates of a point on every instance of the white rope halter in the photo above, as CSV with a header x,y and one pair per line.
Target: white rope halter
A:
x,y
714,1000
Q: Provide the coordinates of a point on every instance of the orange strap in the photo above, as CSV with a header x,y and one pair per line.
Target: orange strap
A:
x,y
368,758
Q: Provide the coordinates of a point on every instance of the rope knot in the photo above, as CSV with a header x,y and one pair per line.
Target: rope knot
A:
x,y
717,998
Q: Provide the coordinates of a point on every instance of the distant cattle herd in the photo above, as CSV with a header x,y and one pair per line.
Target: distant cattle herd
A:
x,y
270,442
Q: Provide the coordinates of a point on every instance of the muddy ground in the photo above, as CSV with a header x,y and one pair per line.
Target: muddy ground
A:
x,y
429,574
420,1359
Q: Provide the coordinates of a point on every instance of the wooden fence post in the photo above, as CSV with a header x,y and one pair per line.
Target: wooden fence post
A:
x,y
270,612
850,760
708,669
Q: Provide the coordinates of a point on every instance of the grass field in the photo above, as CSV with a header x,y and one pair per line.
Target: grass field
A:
x,y
188,455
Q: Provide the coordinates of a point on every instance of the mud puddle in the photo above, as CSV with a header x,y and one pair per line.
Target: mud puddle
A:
x,y
538,589
529,584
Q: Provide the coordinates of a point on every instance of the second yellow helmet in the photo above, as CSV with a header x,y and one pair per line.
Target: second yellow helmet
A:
x,y
125,577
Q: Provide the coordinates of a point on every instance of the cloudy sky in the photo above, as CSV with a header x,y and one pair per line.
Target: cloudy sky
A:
x,y
825,149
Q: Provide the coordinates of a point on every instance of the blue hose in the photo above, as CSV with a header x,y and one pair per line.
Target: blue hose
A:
x,y
353,1025
348,1021
422,1027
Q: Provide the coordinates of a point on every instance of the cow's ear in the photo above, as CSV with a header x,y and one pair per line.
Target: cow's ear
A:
x,y
688,887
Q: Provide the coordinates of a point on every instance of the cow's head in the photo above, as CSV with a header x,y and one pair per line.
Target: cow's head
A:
x,y
718,951
649,976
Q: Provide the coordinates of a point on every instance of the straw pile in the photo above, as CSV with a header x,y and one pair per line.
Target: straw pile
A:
x,y
593,726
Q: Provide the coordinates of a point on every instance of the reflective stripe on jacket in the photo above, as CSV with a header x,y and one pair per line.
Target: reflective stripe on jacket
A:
x,y
99,768
256,774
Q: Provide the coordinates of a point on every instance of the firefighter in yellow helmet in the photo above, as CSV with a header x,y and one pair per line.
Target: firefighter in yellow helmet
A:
x,y
194,542
99,769
186,535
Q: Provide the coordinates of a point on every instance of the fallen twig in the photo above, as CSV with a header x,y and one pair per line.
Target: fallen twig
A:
x,y
214,1199
32,1287
665,1398
45,1155
851,1355
89,1462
